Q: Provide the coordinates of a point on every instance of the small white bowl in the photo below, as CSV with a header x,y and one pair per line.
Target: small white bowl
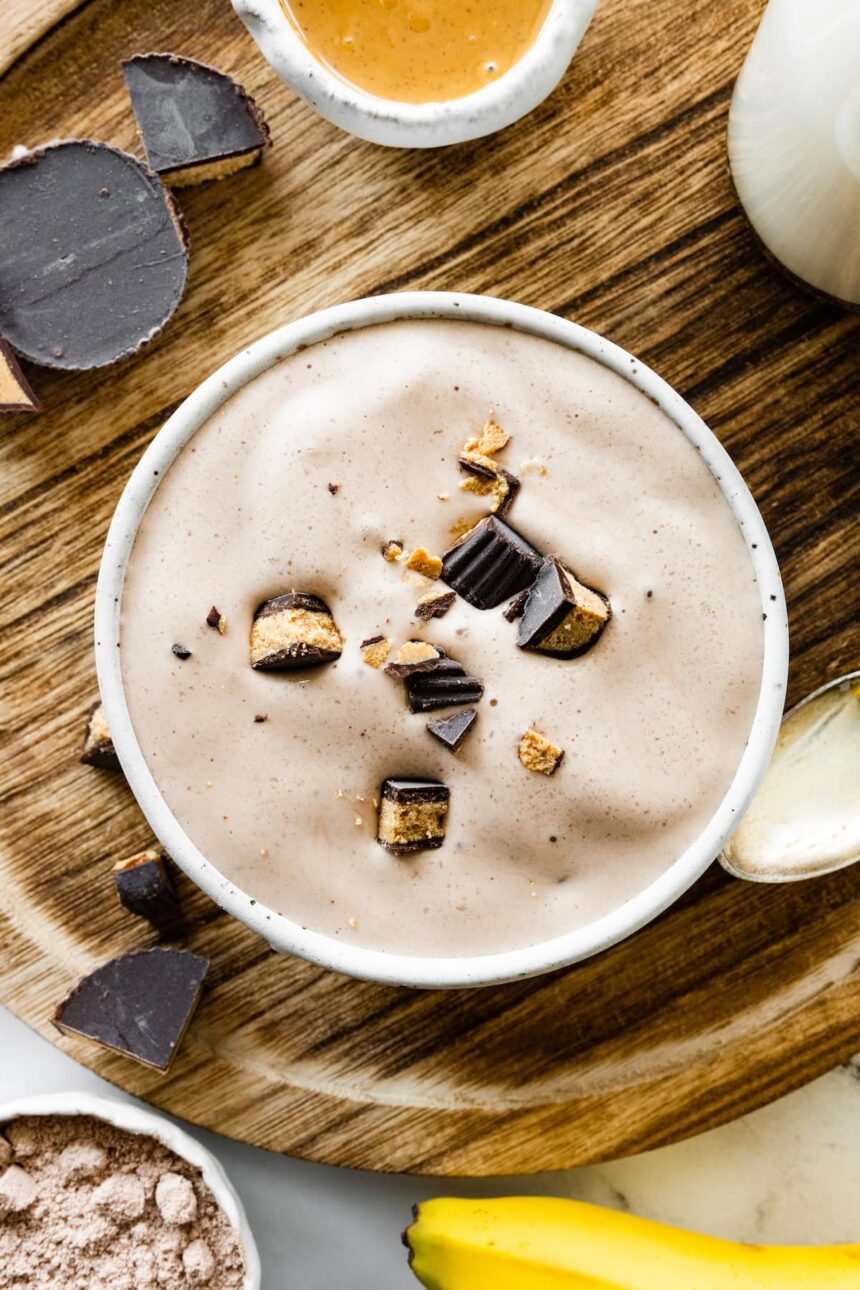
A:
x,y
419,125
281,932
134,1120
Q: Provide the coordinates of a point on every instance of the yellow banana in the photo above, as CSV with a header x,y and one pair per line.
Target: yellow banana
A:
x,y
533,1243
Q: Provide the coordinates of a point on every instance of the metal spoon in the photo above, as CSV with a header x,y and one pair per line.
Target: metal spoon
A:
x,y
805,818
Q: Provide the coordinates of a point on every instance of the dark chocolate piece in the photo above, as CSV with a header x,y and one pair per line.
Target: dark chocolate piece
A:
x,y
15,392
216,620
412,815
93,255
490,563
562,617
415,656
98,749
435,604
517,606
261,717
195,122
293,631
448,685
181,651
452,730
139,1004
146,889
334,489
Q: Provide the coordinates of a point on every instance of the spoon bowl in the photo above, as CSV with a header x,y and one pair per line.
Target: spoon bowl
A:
x,y
804,820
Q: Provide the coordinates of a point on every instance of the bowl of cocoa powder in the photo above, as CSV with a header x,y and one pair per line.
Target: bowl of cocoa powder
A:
x,y
97,1193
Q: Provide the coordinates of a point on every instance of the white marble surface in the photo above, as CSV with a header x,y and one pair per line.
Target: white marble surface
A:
x,y
790,1172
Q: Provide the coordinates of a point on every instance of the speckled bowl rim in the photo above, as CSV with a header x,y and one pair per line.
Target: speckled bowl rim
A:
x,y
420,125
133,1119
282,933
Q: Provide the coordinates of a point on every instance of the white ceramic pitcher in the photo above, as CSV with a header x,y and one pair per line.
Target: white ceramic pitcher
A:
x,y
794,141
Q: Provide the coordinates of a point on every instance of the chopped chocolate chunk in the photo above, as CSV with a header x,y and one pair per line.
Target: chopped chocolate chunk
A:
x,y
448,685
146,889
421,561
490,563
561,617
195,122
452,730
216,620
538,753
86,279
375,650
412,815
98,747
139,1004
334,489
294,631
415,656
517,606
435,604
261,717
15,392
392,550
181,651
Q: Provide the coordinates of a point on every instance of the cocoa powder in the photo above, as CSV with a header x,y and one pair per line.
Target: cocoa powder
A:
x,y
86,1206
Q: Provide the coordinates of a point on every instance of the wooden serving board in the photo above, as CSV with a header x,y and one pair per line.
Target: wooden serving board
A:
x,y
610,204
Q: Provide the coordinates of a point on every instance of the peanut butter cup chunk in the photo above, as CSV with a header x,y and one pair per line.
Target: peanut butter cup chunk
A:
x,y
561,616
412,815
294,631
15,392
375,650
98,749
146,889
501,486
539,754
392,550
435,604
415,656
139,1004
491,563
195,122
421,561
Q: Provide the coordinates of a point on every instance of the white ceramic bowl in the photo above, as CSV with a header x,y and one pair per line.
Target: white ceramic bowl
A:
x,y
134,1120
419,125
282,933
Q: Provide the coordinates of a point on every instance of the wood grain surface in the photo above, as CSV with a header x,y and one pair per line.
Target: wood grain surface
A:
x,y
610,204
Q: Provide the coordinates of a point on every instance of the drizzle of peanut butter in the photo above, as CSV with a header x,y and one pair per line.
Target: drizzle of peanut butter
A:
x,y
418,51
